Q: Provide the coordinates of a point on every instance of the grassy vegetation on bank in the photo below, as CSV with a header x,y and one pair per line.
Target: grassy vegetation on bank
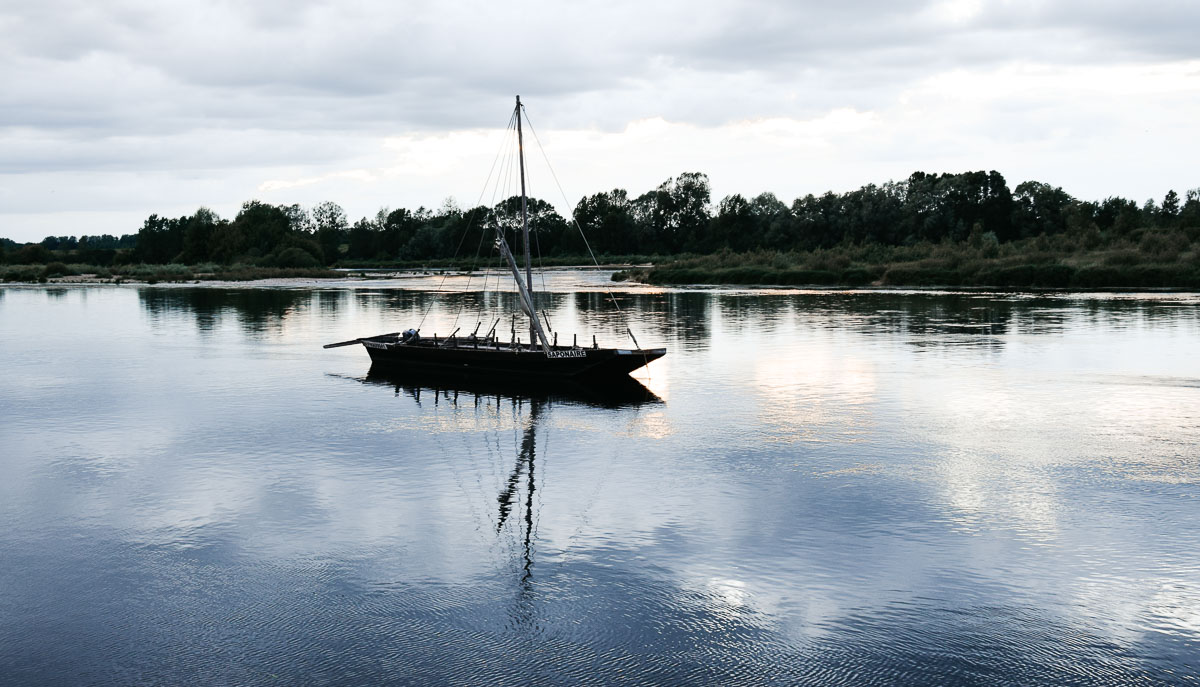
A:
x,y
496,261
174,273
153,274
1150,258
1157,259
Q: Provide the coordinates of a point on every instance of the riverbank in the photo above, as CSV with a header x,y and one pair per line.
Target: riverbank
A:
x,y
1034,263
75,273
1030,264
60,273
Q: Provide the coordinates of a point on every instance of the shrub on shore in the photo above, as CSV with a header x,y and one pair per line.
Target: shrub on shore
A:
x,y
1166,261
1145,259
154,274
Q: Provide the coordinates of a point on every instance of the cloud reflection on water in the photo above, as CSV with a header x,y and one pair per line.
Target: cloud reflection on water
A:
x,y
829,486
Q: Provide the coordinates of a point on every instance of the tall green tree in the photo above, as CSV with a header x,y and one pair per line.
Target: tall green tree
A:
x,y
1189,214
607,221
776,227
1039,209
159,241
198,236
1169,210
546,226
330,225
399,227
365,240
262,226
734,227
1117,215
299,219
675,212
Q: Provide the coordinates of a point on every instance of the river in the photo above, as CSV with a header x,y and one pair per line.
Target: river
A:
x,y
817,487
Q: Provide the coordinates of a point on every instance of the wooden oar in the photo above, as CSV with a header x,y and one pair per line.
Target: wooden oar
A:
x,y
351,342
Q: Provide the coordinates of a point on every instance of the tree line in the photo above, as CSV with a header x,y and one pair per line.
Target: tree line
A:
x,y
674,218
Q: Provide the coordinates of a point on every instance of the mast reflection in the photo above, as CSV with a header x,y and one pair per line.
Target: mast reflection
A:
x,y
620,392
525,464
531,401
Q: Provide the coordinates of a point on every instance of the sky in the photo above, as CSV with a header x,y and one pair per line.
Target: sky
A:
x,y
112,111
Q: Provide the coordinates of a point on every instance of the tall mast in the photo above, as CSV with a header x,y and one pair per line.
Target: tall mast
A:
x,y
524,287
525,222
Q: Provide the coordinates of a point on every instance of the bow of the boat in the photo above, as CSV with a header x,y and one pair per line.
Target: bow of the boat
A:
x,y
624,361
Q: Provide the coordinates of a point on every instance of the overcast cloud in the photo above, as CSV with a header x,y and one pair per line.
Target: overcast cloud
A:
x,y
112,111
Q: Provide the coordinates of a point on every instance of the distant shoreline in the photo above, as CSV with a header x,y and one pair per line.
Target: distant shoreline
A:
x,y
1033,263
359,276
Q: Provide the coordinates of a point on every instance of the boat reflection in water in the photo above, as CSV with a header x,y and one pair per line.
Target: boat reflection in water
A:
x,y
620,391
532,399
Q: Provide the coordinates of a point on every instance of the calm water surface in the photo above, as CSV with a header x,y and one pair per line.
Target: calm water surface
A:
x,y
859,488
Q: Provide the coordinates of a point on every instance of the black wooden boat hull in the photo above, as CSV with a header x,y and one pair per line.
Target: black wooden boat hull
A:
x,y
489,359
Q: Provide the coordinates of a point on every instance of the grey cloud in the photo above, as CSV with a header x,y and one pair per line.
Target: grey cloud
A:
x,y
253,59
1112,29
204,149
82,79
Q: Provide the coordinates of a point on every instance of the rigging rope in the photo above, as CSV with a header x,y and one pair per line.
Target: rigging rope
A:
x,y
506,172
537,240
470,220
574,221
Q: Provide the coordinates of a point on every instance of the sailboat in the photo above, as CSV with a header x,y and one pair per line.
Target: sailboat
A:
x,y
477,356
